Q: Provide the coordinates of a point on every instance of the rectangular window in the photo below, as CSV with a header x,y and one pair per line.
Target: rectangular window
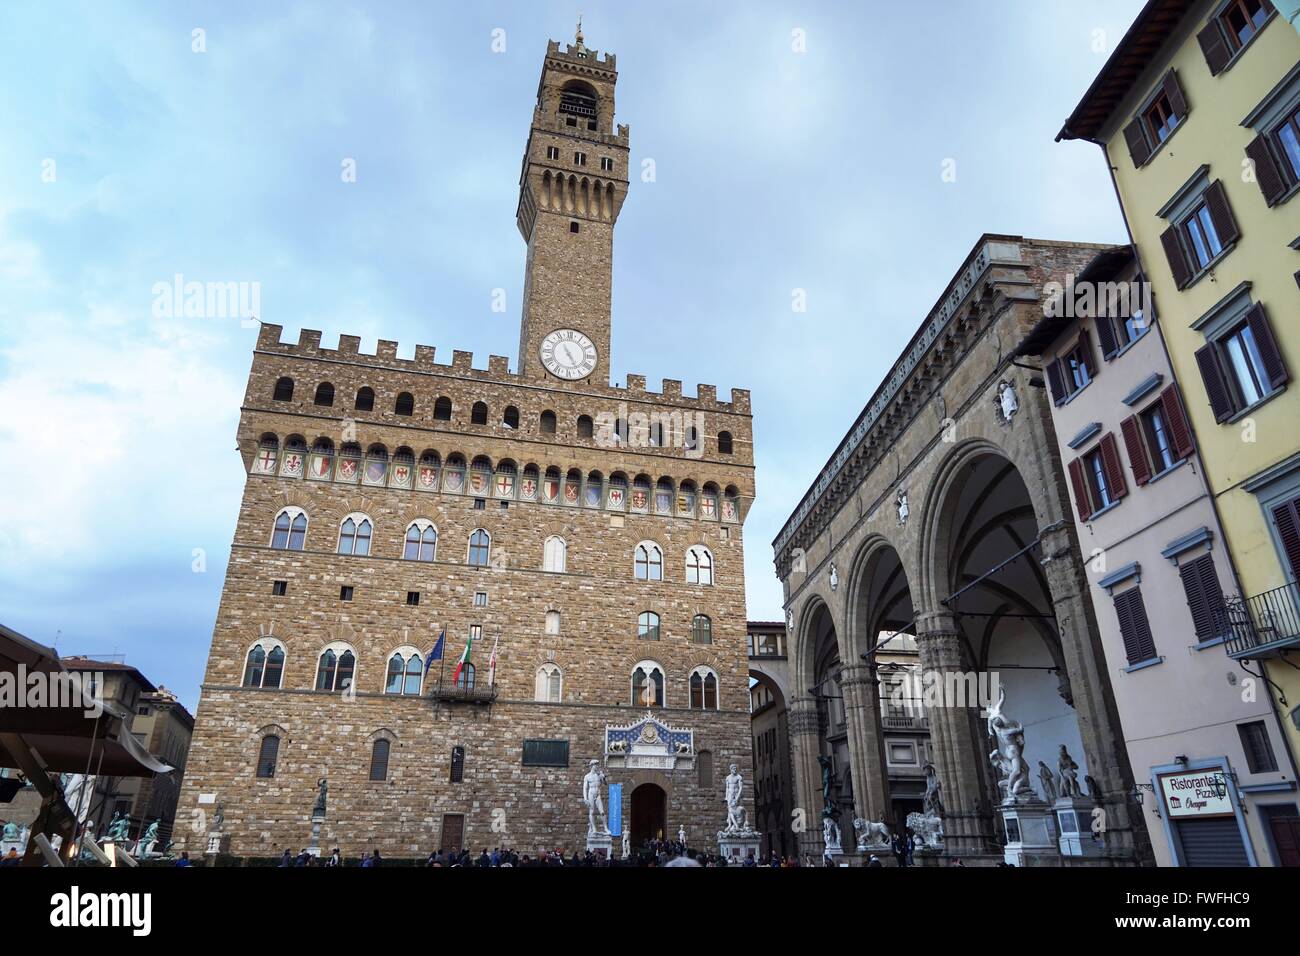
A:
x,y
1160,118
480,599
1242,366
457,764
480,504
1254,741
279,588
1245,364
1202,236
412,598
607,163
1072,371
1134,626
580,159
552,152
1242,19
546,753
1158,443
345,593
1098,488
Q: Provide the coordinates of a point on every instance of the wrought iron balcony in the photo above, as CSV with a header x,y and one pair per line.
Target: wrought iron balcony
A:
x,y
1264,625
459,694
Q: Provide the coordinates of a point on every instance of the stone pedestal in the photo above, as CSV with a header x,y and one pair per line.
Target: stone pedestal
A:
x,y
1030,828
218,842
1074,824
313,848
737,845
600,843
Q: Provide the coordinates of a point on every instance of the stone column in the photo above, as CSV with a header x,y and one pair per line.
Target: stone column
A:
x,y
866,744
1087,690
956,736
805,745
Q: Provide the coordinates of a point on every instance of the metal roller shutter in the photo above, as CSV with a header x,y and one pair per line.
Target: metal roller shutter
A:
x,y
1214,842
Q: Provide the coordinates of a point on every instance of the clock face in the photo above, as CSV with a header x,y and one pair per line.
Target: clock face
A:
x,y
568,354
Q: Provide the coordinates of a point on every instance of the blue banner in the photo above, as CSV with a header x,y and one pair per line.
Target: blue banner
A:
x,y
615,809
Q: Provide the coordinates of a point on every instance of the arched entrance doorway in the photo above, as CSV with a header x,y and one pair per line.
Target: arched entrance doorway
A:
x,y
649,817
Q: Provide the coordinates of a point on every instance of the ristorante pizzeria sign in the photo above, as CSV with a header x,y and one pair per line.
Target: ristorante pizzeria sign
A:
x,y
1196,793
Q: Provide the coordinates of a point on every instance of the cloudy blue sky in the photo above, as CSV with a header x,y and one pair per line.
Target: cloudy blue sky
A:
x,y
128,157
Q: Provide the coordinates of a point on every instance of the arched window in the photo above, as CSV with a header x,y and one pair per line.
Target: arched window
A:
x,y
442,409
730,504
283,390
265,664
724,443
480,548
421,541
648,685
699,565
701,629
365,399
267,755
466,679
510,418
686,497
595,490
664,496
548,422
336,668
584,426
478,414
704,689
453,476
379,759
480,475
554,554
405,672
354,535
649,562
324,395
405,404
641,493
290,530
552,622
550,683
647,626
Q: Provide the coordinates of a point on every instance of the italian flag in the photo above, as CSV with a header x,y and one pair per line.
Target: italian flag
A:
x,y
464,659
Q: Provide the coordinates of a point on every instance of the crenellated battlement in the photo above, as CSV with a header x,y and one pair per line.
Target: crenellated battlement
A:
x,y
498,369
583,58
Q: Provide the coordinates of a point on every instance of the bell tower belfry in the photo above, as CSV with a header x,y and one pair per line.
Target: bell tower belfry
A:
x,y
574,179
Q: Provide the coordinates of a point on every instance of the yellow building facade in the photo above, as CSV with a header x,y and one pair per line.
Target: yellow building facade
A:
x,y
1197,112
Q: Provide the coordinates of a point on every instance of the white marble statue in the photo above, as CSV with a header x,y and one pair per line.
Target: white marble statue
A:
x,y
1007,400
835,576
830,833
870,833
681,835
1010,753
1069,774
591,797
735,790
903,510
933,801
928,829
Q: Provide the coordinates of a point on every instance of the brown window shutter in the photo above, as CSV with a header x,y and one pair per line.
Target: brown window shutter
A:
x,y
1216,198
1080,486
1177,258
1139,147
1267,172
1174,90
1269,354
1216,386
1085,346
1215,47
1134,626
1137,451
1106,336
1287,518
1056,381
1180,430
1204,596
1114,469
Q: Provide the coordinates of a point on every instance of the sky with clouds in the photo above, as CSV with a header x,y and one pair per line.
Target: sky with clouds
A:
x,y
129,157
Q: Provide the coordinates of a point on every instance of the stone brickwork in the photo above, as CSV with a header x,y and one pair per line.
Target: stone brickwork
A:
x,y
292,598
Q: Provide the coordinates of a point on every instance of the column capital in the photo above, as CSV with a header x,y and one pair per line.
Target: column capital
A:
x,y
936,623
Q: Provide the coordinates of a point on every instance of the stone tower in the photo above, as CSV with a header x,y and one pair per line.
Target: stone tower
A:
x,y
570,192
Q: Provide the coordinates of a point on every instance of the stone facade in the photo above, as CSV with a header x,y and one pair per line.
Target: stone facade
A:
x,y
941,517
402,441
